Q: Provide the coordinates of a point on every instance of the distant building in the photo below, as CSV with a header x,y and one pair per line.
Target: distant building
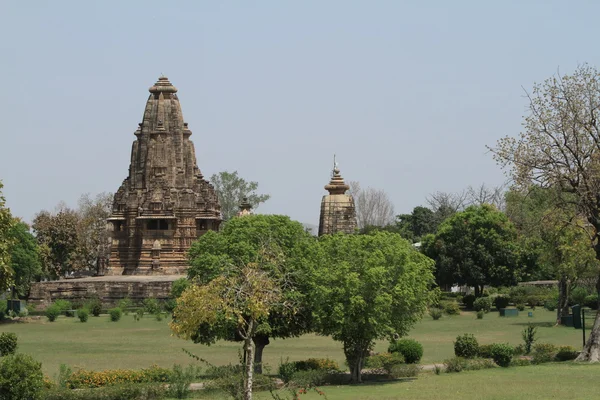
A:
x,y
337,208
245,208
165,203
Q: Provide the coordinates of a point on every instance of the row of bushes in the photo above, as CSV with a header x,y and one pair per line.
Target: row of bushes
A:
x,y
83,378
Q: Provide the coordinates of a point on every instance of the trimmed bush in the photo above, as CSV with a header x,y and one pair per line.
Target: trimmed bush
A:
x,y
93,379
435,313
95,307
450,307
551,304
411,350
115,314
501,302
485,350
8,343
52,313
63,305
544,352
480,314
83,314
502,354
566,353
152,306
483,304
466,346
591,301
21,378
468,301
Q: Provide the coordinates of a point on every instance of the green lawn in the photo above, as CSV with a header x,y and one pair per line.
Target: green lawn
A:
x,y
101,344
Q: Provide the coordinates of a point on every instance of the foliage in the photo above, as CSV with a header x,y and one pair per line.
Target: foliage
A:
x,y
232,189
180,380
317,363
95,306
374,209
115,314
520,306
544,352
420,222
578,295
125,304
455,364
8,343
309,378
469,301
286,370
551,304
230,379
6,241
21,378
92,379
404,371
501,302
466,346
502,354
179,287
138,391
52,313
435,313
63,305
64,374
450,307
483,304
57,236
480,314
591,301
485,350
152,305
367,287
383,362
409,348
529,336
24,257
566,353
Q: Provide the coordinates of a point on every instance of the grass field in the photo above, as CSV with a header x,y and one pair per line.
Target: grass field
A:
x,y
101,344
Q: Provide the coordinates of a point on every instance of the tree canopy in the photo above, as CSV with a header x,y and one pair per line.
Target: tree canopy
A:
x,y
232,189
367,287
24,257
6,222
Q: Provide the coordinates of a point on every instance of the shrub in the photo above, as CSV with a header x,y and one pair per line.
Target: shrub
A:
x,y
566,353
551,304
139,391
3,308
309,378
179,286
529,337
485,351
480,314
435,313
543,352
95,307
152,306
468,301
21,378
63,305
115,314
450,307
23,313
287,370
591,301
466,346
404,370
125,304
520,362
455,364
519,350
92,379
139,314
476,364
578,295
501,302
520,306
502,354
317,363
411,350
52,313
8,343
64,374
179,384
83,314
483,304
384,362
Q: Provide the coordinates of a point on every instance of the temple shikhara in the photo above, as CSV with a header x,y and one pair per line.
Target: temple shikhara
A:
x,y
165,203
338,213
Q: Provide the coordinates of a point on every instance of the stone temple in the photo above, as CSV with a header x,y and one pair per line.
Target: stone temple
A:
x,y
165,203
338,213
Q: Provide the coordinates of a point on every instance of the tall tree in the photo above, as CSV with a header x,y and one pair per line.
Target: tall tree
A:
x,y
24,257
420,222
560,148
475,247
240,242
373,206
93,242
232,189
6,222
367,287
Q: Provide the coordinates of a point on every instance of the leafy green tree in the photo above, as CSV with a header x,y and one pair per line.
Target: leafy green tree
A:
x,y
420,222
476,247
57,236
25,257
232,189
6,222
239,243
367,287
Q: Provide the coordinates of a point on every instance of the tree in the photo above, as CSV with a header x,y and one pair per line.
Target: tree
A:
x,y
232,189
6,222
560,148
25,257
420,222
93,242
373,206
239,243
242,298
475,247
367,287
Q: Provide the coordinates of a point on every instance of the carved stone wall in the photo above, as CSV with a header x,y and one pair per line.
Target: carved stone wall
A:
x,y
338,213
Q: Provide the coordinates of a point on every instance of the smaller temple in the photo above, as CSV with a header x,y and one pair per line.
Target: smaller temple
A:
x,y
337,208
245,208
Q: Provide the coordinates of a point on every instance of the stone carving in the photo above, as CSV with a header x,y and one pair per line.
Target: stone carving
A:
x,y
165,199
338,213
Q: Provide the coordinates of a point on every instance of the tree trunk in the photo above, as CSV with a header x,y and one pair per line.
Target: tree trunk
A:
x,y
260,341
477,292
563,299
355,356
591,350
249,354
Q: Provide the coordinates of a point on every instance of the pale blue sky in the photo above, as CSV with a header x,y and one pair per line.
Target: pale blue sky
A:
x,y
407,94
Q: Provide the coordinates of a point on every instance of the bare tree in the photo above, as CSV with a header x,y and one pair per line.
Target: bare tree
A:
x,y
483,194
373,206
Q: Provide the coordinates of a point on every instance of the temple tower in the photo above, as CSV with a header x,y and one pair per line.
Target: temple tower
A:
x,y
337,208
165,203
245,208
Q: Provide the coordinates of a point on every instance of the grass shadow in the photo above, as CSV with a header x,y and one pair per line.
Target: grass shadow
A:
x,y
536,324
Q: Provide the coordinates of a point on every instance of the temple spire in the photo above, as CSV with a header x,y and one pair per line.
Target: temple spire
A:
x,y
337,208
